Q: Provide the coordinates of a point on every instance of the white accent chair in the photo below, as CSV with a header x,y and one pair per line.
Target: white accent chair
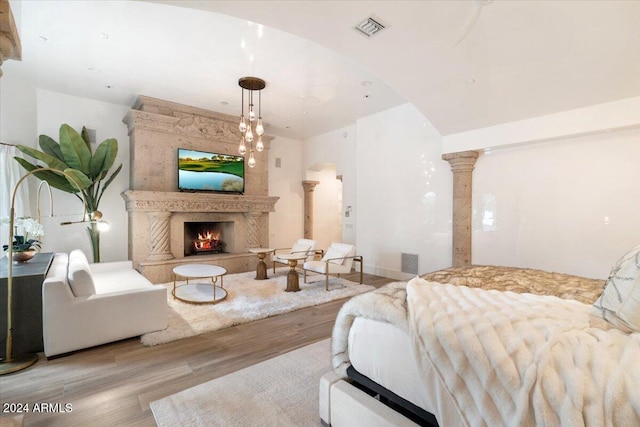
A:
x,y
302,246
337,260
84,305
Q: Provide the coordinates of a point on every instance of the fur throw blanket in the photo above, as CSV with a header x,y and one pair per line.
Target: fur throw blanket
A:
x,y
509,359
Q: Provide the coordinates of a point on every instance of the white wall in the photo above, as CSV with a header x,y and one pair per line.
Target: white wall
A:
x,y
286,223
570,206
404,198
53,109
335,154
17,111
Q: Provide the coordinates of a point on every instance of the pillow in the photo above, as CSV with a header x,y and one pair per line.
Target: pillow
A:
x,y
79,274
619,303
334,252
300,248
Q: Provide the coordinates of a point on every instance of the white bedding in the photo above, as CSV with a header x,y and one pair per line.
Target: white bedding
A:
x,y
384,352
499,358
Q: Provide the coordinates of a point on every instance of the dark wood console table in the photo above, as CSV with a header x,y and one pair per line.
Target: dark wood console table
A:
x,y
27,303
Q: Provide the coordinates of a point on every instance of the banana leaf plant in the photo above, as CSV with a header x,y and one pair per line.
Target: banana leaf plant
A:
x,y
88,170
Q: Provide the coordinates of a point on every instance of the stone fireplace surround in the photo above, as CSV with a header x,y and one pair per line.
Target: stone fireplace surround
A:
x,y
158,211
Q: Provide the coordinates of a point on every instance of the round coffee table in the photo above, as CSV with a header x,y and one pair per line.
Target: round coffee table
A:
x,y
293,283
199,292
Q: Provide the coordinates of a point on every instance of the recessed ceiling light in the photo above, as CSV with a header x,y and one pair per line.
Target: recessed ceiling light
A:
x,y
94,70
471,81
104,35
43,38
224,103
366,83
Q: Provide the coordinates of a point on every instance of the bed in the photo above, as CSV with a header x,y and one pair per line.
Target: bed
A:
x,y
487,346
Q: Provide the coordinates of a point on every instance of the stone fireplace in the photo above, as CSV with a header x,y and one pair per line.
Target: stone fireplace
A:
x,y
159,214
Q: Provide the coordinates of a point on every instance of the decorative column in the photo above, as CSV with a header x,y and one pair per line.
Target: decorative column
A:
x,y
10,47
253,229
308,186
160,231
462,164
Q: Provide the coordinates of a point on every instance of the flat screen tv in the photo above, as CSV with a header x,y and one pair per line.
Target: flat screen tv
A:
x,y
204,171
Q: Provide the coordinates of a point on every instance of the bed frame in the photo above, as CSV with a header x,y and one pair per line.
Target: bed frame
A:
x,y
359,401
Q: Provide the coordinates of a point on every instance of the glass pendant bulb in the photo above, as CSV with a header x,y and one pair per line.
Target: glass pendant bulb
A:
x,y
252,114
259,127
252,160
259,144
249,135
243,125
242,149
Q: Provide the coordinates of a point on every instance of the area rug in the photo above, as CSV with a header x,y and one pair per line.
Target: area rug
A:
x,y
282,391
248,300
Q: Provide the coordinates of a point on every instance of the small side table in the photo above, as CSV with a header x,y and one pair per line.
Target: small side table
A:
x,y
293,284
261,268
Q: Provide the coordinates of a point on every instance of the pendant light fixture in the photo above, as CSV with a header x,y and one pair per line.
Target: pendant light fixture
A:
x,y
253,123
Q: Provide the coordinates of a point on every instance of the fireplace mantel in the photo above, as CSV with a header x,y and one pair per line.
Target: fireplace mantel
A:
x,y
157,210
160,201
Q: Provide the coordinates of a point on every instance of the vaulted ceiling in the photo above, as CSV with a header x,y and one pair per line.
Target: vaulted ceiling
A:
x,y
463,64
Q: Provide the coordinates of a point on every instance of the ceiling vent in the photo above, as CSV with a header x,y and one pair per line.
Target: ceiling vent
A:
x,y
370,27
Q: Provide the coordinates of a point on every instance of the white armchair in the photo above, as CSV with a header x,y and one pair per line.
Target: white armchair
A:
x,y
337,260
302,246
84,305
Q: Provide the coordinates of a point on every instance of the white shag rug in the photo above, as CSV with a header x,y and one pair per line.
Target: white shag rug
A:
x,y
282,391
248,300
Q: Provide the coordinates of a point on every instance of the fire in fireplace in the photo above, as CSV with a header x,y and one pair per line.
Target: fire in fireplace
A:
x,y
208,242
203,238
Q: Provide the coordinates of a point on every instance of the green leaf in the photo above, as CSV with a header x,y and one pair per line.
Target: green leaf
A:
x,y
78,178
108,181
54,179
51,147
48,159
85,137
75,151
103,158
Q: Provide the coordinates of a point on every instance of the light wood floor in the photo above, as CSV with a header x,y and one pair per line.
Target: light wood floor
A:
x,y
112,385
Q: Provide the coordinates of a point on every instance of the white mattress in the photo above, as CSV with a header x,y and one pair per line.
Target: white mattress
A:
x,y
384,354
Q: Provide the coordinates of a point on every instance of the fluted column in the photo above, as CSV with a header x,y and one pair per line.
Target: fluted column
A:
x,y
253,229
308,186
462,164
160,231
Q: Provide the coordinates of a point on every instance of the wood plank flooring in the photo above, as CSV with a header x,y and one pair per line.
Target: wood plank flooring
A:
x,y
112,385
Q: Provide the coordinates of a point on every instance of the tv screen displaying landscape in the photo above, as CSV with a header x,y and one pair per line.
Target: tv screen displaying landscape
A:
x,y
203,171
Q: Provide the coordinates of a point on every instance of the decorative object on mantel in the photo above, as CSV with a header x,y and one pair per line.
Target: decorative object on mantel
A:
x,y
73,156
251,84
11,363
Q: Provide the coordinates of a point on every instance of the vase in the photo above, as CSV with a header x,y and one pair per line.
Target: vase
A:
x,y
23,256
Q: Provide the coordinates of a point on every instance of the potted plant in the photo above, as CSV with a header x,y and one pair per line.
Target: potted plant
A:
x,y
89,171
25,245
